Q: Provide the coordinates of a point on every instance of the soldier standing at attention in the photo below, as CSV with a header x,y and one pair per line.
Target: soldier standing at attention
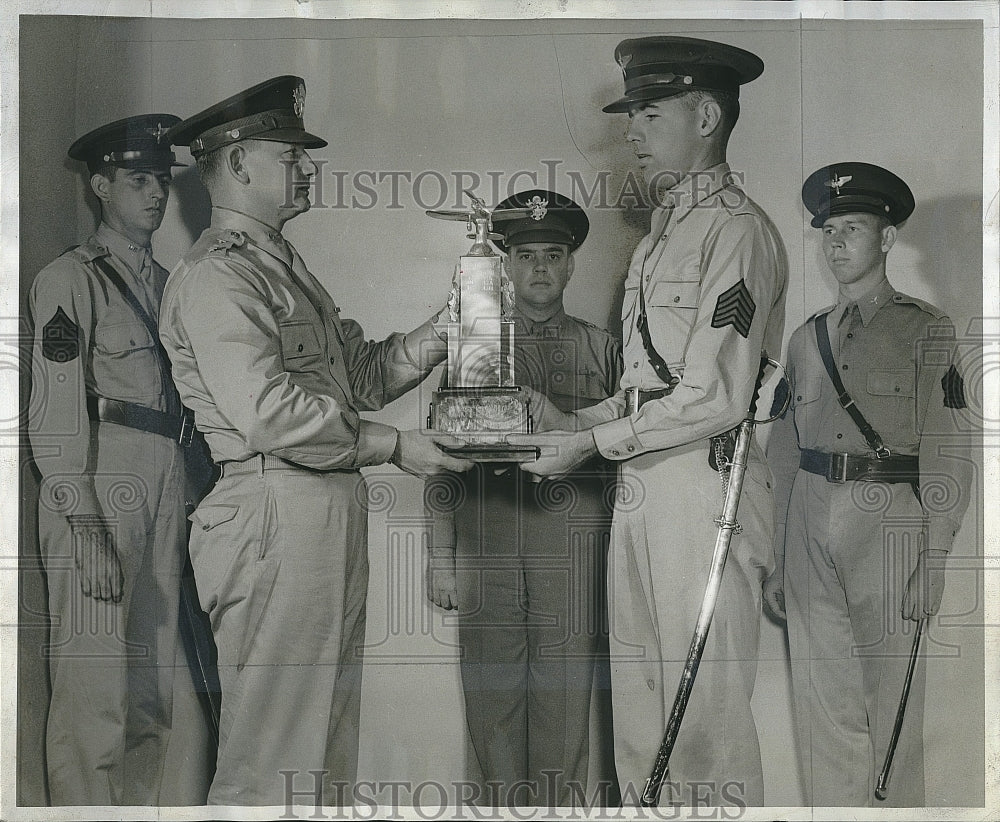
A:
x,y
704,296
108,434
530,555
276,380
855,561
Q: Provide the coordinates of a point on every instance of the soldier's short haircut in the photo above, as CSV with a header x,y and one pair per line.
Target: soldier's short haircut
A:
x,y
210,164
728,101
107,170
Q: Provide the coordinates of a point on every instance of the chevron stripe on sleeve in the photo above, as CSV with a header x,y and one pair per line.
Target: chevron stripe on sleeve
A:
x,y
735,307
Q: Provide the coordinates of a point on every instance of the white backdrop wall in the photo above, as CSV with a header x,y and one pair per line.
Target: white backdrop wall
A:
x,y
503,100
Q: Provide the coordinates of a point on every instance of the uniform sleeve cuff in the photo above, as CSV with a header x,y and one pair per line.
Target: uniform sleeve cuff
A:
x,y
376,443
424,348
941,533
616,440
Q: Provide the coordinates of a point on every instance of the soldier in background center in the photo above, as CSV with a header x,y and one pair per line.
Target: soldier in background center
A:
x,y
523,561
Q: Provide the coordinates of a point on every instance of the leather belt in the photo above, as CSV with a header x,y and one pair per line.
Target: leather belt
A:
x,y
257,464
180,429
636,398
841,468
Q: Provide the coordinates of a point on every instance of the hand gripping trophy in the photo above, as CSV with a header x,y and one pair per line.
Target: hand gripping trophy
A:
x,y
480,401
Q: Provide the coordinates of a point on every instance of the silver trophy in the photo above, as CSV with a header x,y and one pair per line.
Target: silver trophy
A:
x,y
481,402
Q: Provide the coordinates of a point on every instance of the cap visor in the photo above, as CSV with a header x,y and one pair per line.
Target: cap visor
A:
x,y
295,136
641,96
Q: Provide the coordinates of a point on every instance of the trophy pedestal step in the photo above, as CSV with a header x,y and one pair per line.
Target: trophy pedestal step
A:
x,y
483,417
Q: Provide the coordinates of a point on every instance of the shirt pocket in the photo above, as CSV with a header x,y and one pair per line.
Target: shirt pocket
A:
x,y
891,396
300,347
675,295
807,389
126,363
892,384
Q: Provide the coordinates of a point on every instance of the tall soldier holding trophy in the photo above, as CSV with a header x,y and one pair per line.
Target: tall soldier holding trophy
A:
x,y
704,297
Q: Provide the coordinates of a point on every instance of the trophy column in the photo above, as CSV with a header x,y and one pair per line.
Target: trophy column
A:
x,y
482,404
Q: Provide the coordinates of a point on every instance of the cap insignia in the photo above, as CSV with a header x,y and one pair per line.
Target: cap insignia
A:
x,y
299,97
837,182
538,207
624,60
229,239
158,132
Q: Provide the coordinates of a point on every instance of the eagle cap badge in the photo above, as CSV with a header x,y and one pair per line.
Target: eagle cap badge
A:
x,y
538,207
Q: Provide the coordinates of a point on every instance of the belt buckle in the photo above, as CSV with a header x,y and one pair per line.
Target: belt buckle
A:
x,y
836,471
186,435
632,401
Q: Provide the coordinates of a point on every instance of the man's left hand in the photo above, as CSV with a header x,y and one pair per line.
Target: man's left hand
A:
x,y
561,451
925,586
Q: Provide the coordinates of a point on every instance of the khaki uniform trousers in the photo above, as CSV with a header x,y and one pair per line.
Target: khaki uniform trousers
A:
x,y
529,559
122,692
281,561
849,550
662,541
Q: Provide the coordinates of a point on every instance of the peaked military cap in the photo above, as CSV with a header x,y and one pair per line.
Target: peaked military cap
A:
x,y
271,110
132,142
847,188
551,218
659,67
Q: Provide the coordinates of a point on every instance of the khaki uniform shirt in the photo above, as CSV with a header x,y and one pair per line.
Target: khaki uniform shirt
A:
x,y
89,340
714,273
263,358
896,357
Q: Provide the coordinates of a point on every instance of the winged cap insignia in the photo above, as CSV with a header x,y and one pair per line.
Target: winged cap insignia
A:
x,y
838,182
624,60
158,132
299,98
538,206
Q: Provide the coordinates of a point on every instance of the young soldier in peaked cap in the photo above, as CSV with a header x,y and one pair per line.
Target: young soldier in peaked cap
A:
x,y
112,527
277,381
703,298
529,555
858,563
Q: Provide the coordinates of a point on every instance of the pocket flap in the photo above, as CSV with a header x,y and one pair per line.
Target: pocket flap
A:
x,y
123,337
675,295
891,383
208,516
298,340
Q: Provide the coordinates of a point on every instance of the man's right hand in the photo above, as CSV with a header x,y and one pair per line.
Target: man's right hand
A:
x,y
418,453
774,593
442,588
96,559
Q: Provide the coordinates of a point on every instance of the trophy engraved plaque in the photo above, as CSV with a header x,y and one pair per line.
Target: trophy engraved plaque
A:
x,y
481,402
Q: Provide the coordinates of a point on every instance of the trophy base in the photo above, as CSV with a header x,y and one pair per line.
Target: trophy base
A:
x,y
483,417
500,452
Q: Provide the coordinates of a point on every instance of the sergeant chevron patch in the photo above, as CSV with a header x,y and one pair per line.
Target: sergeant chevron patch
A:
x,y
60,338
735,307
954,389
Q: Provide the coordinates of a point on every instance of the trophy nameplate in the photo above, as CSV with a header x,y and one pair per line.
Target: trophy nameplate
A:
x,y
482,404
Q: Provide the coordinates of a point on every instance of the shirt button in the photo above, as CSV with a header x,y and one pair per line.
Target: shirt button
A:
x,y
840,436
332,360
798,398
650,684
677,299
850,335
635,364
301,346
844,366
631,448
614,453
896,389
